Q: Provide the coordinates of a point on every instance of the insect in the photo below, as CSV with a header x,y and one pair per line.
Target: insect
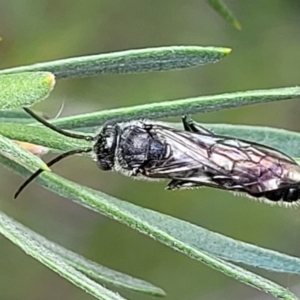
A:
x,y
190,158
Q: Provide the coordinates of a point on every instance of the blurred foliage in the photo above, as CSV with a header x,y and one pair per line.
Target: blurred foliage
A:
x,y
223,10
264,55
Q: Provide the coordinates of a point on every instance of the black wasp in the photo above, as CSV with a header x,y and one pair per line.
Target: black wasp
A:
x,y
190,158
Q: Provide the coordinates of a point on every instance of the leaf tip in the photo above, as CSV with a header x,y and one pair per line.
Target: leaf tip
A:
x,y
160,293
46,168
227,50
50,80
237,25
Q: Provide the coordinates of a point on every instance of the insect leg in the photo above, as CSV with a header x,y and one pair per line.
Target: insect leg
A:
x,y
148,128
137,171
191,126
175,184
291,195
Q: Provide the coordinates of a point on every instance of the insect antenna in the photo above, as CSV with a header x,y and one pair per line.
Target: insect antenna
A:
x,y
88,138
49,164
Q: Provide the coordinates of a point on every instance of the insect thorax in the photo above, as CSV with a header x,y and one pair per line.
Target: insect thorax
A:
x,y
128,147
139,148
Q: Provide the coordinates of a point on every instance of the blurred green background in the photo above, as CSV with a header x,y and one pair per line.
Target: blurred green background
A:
x,y
265,55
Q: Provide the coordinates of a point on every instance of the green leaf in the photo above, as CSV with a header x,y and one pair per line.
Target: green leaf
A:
x,y
179,107
220,7
23,157
24,89
19,116
40,136
130,61
17,234
96,271
89,268
194,241
14,114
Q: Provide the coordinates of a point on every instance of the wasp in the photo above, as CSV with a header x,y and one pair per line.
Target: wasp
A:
x,y
190,158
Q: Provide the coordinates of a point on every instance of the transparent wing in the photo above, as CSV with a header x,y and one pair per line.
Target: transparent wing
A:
x,y
223,162
187,152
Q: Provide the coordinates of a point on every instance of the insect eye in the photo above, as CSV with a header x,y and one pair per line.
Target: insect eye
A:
x,y
104,147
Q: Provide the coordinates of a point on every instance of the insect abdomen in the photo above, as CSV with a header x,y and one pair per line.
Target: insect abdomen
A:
x,y
284,194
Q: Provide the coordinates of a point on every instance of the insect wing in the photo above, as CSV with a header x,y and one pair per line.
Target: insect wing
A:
x,y
187,152
224,162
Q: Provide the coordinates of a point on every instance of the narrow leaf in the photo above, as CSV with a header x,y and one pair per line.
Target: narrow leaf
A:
x,y
40,136
21,156
202,104
24,89
96,271
15,233
17,116
130,61
220,7
14,114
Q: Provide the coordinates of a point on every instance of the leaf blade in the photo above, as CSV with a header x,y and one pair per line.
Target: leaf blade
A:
x,y
16,234
24,89
40,135
130,61
202,104
98,272
21,156
220,7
